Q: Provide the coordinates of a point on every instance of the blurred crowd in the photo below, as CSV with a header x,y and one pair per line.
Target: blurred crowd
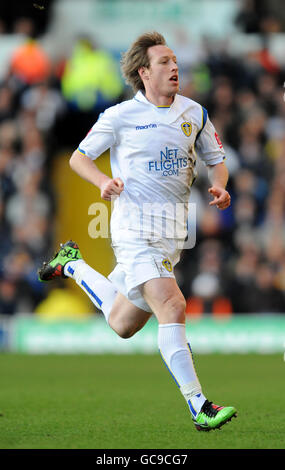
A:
x,y
44,107
261,16
238,262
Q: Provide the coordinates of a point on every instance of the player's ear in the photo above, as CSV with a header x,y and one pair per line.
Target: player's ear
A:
x,y
143,73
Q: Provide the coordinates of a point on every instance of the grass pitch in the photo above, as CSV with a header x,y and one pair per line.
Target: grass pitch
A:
x,y
131,402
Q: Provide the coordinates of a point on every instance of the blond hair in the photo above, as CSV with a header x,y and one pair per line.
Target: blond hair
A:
x,y
137,57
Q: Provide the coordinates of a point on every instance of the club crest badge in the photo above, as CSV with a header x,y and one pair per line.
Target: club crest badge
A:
x,y
167,264
187,128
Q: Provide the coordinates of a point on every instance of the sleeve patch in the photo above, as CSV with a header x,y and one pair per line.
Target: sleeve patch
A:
x,y
219,142
81,151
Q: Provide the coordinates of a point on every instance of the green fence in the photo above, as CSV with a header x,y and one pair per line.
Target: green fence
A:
x,y
241,334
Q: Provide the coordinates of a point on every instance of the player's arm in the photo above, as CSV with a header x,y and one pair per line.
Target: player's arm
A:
x,y
218,175
87,169
211,151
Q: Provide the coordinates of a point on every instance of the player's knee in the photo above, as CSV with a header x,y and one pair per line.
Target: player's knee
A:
x,y
122,330
125,333
174,309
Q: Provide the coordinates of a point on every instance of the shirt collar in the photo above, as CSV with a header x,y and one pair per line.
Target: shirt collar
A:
x,y
139,96
177,107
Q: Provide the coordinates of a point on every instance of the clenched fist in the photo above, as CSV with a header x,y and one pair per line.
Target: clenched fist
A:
x,y
111,188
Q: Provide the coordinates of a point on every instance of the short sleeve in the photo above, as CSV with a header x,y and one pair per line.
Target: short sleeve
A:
x,y
101,136
208,144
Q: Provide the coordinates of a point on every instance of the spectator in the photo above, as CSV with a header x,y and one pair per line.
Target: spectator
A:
x,y
30,63
27,212
91,78
45,103
6,103
90,82
265,296
257,16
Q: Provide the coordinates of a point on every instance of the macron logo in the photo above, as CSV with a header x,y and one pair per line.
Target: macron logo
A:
x,y
147,126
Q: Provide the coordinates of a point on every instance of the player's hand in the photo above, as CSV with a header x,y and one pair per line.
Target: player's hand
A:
x,y
111,188
222,199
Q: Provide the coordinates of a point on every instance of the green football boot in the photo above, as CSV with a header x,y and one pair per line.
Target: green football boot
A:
x,y
213,416
54,268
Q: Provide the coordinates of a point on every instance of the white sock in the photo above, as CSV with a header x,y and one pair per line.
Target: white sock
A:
x,y
176,353
98,288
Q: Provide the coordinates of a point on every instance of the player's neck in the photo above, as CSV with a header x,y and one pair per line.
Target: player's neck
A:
x,y
159,100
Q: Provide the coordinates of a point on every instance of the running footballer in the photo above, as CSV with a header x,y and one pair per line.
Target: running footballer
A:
x,y
153,140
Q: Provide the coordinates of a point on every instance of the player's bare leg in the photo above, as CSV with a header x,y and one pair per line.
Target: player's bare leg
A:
x,y
168,304
125,318
165,299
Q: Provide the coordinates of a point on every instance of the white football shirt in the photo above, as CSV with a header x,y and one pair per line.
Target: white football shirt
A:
x,y
154,154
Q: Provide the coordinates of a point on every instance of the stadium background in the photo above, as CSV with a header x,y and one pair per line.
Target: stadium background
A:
x,y
59,69
52,88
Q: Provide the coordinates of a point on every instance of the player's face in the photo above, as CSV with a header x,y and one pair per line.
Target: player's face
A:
x,y
161,77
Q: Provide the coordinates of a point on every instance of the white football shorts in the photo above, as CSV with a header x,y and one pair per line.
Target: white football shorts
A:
x,y
140,260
